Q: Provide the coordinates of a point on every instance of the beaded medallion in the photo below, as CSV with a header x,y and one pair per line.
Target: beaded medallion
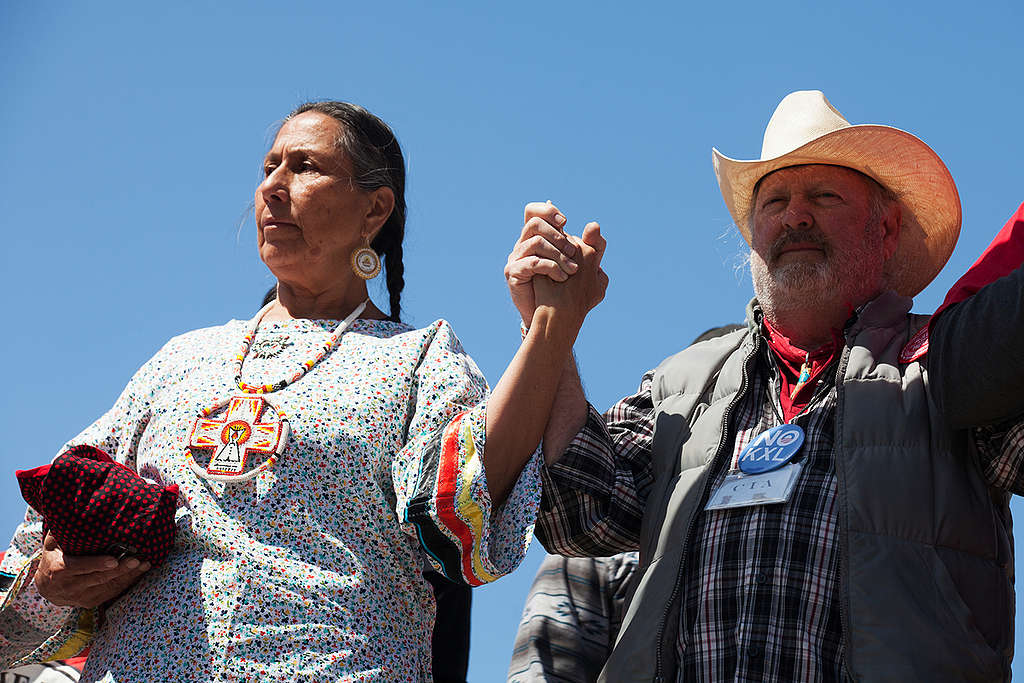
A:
x,y
270,348
248,426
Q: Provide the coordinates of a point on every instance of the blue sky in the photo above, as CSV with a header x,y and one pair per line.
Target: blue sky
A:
x,y
132,135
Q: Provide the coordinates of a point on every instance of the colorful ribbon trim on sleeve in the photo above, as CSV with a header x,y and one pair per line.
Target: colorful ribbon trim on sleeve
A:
x,y
453,535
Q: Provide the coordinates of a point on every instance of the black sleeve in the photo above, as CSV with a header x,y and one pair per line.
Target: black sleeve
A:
x,y
976,355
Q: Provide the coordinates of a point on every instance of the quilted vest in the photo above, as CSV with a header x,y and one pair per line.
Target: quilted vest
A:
x,y
926,556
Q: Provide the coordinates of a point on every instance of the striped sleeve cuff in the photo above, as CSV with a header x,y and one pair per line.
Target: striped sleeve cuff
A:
x,y
24,639
464,537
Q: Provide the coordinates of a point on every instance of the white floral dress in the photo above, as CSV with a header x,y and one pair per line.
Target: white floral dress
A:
x,y
311,570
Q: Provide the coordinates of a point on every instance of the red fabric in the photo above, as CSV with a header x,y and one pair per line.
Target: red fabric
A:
x,y
79,661
791,359
95,506
1002,256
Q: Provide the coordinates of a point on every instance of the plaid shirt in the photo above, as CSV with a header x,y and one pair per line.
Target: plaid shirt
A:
x,y
758,599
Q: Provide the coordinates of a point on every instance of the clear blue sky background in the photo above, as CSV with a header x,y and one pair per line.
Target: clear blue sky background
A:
x,y
132,135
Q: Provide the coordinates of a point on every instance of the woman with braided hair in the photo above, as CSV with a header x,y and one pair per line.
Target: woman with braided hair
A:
x,y
454,601
321,450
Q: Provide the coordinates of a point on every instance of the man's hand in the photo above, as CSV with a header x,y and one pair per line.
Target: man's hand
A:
x,y
555,279
578,294
542,249
83,581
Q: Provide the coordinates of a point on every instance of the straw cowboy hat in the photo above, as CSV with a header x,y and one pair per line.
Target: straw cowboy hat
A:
x,y
806,129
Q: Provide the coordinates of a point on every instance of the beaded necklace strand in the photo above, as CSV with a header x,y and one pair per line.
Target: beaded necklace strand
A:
x,y
262,390
304,367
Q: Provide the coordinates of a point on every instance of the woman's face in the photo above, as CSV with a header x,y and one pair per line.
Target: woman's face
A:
x,y
309,215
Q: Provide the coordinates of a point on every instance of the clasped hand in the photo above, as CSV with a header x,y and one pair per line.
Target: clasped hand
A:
x,y
574,282
83,581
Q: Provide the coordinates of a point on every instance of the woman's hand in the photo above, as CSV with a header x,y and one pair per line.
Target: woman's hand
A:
x,y
86,580
542,249
541,381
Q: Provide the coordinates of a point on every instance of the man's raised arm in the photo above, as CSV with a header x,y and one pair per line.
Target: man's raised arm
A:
x,y
974,353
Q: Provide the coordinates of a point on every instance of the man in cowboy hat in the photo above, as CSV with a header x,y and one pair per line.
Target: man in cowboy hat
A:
x,y
802,509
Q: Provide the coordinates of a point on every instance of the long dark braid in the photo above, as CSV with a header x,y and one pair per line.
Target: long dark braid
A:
x,y
388,244
377,161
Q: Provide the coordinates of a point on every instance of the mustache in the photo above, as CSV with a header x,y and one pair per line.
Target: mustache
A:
x,y
798,237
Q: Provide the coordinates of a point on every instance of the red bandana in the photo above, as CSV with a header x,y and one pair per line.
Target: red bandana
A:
x,y
795,395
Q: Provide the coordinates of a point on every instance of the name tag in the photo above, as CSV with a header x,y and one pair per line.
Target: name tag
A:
x,y
744,490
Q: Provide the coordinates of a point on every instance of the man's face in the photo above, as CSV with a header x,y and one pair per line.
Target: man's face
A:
x,y
817,238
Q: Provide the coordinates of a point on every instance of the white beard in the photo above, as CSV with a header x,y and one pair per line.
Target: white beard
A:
x,y
829,285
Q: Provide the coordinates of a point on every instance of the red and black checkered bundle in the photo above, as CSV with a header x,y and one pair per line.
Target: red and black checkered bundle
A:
x,y
95,506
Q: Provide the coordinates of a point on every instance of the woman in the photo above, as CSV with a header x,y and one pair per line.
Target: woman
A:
x,y
449,640
315,458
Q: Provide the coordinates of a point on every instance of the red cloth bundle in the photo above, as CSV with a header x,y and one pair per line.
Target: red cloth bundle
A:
x,y
95,506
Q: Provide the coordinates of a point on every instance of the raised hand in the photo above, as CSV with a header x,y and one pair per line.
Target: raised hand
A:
x,y
578,294
543,248
555,279
84,581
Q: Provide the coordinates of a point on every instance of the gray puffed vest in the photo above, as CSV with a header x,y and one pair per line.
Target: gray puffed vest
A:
x,y
926,555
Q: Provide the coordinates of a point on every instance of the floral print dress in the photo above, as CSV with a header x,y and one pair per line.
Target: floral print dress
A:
x,y
312,569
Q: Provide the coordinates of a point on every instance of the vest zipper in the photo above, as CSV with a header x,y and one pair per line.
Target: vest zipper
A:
x,y
659,676
844,536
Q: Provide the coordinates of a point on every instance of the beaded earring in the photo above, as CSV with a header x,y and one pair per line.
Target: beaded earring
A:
x,y
365,262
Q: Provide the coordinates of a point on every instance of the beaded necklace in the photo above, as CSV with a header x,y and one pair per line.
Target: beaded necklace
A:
x,y
242,430
304,367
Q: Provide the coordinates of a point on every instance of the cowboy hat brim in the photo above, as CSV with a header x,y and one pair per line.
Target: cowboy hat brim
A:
x,y
895,158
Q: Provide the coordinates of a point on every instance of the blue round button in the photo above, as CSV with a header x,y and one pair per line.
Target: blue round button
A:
x,y
771,449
